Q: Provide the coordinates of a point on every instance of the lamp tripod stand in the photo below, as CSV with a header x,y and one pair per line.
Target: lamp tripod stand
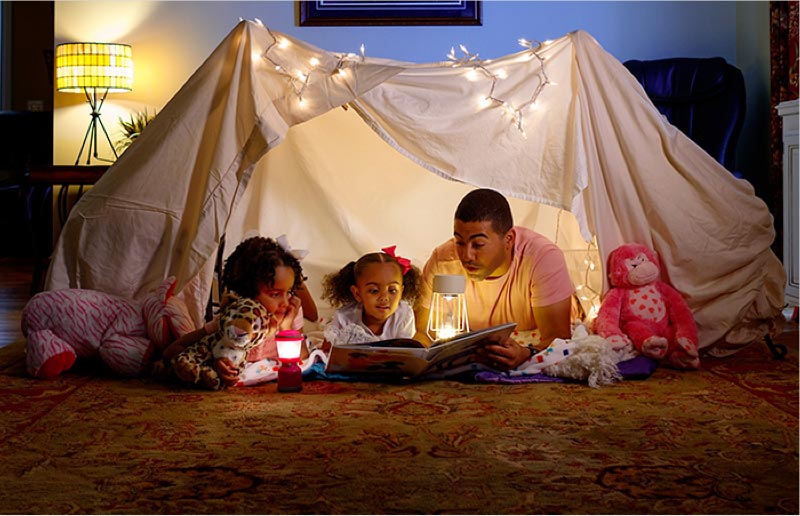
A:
x,y
91,131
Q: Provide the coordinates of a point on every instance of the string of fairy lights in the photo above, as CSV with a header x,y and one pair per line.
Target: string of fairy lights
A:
x,y
299,78
584,290
476,68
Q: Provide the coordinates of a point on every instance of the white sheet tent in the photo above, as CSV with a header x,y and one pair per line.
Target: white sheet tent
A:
x,y
237,150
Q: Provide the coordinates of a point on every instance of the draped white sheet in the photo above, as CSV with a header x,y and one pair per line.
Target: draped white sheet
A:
x,y
235,150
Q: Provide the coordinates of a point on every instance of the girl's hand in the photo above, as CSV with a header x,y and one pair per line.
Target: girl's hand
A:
x,y
227,371
272,325
291,313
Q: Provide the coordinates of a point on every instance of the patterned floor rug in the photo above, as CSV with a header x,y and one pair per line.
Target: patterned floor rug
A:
x,y
722,440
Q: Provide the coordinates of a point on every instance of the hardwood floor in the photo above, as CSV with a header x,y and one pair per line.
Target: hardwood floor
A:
x,y
16,275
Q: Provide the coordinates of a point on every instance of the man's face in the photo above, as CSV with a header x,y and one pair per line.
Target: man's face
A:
x,y
483,253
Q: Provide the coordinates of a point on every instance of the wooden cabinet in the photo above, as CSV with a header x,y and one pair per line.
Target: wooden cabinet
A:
x,y
788,112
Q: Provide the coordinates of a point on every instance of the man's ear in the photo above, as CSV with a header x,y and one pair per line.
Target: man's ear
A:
x,y
356,294
510,237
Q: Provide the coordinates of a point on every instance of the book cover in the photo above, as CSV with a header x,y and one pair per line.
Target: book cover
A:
x,y
410,358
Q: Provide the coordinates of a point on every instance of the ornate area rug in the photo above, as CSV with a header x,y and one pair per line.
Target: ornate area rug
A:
x,y
722,440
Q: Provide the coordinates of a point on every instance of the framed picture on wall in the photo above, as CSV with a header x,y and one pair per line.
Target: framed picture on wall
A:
x,y
388,12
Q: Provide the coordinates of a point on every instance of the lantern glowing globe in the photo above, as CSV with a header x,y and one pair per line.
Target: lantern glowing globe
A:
x,y
290,377
448,312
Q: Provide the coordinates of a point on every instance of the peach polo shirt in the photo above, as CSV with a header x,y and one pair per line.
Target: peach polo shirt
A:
x,y
537,276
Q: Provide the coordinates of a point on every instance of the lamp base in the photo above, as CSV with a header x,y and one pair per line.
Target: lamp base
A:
x,y
290,377
91,131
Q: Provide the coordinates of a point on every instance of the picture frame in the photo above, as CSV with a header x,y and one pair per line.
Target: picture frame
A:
x,y
400,12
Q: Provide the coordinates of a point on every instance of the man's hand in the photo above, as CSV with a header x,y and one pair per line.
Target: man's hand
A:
x,y
502,355
227,371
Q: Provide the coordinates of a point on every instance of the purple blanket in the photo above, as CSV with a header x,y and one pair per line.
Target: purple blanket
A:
x,y
638,368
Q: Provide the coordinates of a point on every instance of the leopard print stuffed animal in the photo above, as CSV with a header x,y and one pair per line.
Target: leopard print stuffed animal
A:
x,y
243,325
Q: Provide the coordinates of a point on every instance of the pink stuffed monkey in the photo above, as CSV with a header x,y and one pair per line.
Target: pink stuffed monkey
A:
x,y
645,311
61,325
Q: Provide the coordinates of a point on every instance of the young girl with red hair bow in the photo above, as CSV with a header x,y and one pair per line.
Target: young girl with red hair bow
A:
x,y
373,298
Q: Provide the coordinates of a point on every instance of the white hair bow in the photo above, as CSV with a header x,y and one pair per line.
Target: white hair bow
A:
x,y
297,253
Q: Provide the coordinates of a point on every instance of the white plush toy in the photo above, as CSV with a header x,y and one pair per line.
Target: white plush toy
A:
x,y
582,357
591,358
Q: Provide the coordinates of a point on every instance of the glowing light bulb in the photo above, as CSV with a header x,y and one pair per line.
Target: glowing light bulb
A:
x,y
501,73
283,43
484,102
314,61
449,317
448,310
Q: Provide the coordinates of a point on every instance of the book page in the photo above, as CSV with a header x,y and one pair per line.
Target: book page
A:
x,y
376,360
407,357
458,350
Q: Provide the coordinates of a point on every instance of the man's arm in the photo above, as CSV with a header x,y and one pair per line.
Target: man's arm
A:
x,y
553,321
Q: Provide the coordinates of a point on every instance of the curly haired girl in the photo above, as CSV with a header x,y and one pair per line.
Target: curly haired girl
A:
x,y
261,269
373,298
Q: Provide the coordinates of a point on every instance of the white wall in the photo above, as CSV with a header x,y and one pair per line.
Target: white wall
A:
x,y
171,39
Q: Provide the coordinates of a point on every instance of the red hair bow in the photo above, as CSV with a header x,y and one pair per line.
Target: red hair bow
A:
x,y
405,263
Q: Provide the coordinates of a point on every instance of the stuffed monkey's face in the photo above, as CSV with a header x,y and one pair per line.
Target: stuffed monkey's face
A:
x,y
641,270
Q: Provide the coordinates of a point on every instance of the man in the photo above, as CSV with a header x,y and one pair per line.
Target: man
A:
x,y
513,275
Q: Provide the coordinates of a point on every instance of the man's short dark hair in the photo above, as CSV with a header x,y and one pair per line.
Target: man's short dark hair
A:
x,y
483,205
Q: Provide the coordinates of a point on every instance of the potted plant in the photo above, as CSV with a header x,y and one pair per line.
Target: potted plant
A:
x,y
131,129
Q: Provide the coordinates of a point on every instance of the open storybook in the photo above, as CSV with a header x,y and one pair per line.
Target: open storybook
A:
x,y
408,357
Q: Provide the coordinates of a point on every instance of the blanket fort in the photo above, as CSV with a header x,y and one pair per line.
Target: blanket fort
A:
x,y
243,146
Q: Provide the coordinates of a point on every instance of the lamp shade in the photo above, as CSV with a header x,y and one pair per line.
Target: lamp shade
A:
x,y
448,312
106,66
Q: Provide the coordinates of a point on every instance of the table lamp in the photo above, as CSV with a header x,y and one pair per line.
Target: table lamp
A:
x,y
448,314
92,68
290,377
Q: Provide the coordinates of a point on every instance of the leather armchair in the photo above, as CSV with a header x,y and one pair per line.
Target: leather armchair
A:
x,y
703,97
